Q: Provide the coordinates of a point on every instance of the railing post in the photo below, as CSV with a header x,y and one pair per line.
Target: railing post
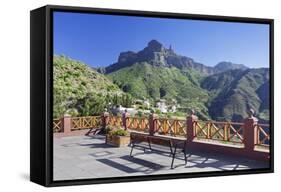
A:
x,y
226,131
152,123
105,119
250,131
257,135
209,130
66,123
190,129
125,117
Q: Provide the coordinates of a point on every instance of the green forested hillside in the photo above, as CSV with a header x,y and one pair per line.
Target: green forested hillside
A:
x,y
233,92
143,80
80,90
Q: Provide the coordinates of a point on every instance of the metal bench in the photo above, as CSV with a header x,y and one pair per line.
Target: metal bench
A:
x,y
158,143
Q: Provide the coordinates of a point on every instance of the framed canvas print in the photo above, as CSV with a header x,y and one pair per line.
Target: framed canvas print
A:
x,y
123,95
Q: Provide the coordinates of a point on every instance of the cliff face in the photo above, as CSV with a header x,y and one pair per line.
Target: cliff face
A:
x,y
157,55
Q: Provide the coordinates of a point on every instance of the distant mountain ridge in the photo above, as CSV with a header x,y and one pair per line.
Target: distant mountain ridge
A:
x,y
225,66
157,55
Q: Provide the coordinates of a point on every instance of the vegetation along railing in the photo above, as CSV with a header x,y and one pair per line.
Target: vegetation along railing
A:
x,y
221,131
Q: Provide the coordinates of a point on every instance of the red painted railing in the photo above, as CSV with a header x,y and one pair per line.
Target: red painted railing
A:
x,y
262,137
78,123
220,131
249,136
172,127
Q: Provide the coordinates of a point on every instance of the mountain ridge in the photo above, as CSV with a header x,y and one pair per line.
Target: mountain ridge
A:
x,y
158,55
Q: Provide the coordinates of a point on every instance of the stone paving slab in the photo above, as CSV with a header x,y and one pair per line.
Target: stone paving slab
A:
x,y
83,157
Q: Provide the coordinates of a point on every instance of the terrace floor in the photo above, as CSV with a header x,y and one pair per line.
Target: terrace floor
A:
x,y
82,157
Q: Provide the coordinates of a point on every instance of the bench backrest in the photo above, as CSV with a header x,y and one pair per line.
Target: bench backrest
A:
x,y
161,141
140,137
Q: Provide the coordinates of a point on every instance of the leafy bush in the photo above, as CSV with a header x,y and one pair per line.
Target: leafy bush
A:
x,y
119,132
157,111
169,115
139,113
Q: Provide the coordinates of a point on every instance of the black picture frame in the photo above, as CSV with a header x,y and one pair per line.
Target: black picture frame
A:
x,y
41,55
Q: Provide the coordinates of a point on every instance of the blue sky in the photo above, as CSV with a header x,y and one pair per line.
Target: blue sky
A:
x,y
98,40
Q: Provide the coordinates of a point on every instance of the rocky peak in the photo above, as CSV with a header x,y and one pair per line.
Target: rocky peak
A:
x,y
155,46
128,56
157,55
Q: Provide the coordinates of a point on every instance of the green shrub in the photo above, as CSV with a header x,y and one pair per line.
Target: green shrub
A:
x,y
139,113
119,132
157,111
